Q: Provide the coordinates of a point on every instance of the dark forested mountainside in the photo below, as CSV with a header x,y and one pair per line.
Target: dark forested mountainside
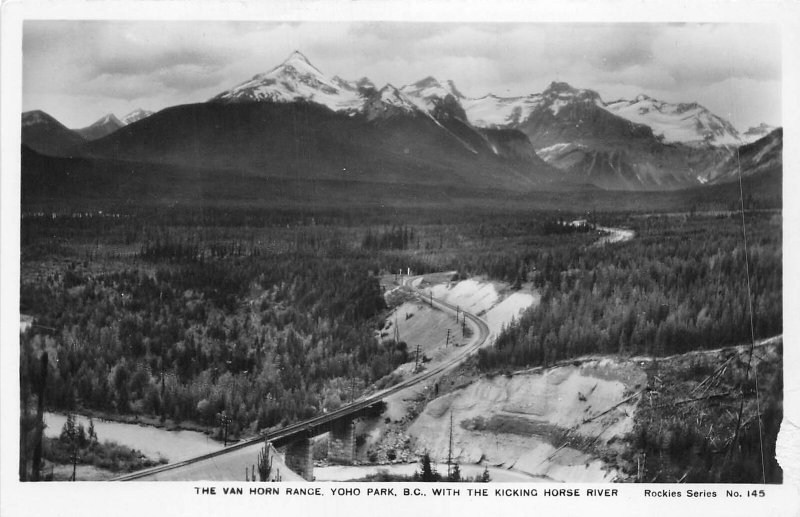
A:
x,y
47,135
306,141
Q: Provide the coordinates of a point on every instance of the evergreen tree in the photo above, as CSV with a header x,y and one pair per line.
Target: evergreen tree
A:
x,y
455,474
264,463
427,472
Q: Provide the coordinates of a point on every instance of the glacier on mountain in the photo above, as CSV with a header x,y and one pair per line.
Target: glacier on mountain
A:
x,y
296,79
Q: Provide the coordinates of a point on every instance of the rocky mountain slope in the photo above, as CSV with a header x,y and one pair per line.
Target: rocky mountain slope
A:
x,y
756,132
688,123
105,126
758,158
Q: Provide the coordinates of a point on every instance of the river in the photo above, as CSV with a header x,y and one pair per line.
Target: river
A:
x,y
350,473
614,235
153,442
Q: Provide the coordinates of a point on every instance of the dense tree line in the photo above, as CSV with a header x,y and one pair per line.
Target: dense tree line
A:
x,y
266,339
678,286
397,237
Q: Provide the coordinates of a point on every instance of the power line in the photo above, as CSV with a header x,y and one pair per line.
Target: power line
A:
x,y
752,333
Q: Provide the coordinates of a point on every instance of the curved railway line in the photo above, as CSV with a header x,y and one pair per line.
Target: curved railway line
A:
x,y
478,340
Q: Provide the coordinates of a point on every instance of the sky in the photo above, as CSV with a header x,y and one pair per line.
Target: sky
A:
x,y
78,71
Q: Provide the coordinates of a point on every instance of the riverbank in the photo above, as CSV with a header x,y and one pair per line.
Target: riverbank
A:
x,y
153,442
355,473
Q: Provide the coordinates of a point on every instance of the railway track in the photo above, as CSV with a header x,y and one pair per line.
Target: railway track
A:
x,y
314,423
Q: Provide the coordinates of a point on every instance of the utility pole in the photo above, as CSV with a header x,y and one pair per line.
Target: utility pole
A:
x,y
447,340
37,446
416,360
396,329
163,388
224,420
74,456
450,449
457,313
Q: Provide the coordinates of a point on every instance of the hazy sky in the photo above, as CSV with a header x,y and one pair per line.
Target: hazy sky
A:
x,y
78,71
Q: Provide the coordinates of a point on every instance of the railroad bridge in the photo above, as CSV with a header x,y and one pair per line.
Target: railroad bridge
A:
x,y
227,463
341,445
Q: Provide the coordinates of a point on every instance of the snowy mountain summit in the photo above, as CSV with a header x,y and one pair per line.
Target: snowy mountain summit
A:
x,y
688,123
102,127
135,116
293,80
296,79
756,132
428,93
502,112
108,120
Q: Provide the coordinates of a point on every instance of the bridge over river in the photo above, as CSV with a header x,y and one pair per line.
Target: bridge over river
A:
x,y
228,464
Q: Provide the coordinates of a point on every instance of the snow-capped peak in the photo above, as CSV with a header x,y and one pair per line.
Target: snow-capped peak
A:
x,y
559,93
756,132
109,119
360,86
493,111
298,57
300,63
293,80
683,122
389,102
391,96
135,116
429,92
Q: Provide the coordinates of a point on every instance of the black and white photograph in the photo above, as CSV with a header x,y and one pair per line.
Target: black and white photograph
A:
x,y
518,258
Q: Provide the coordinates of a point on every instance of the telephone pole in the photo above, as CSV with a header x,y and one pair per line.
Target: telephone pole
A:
x,y
447,340
416,360
450,449
224,421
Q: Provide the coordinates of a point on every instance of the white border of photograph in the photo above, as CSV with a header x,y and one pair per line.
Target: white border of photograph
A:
x,y
178,498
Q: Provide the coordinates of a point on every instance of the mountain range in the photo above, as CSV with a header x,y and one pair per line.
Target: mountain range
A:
x,y
295,123
110,123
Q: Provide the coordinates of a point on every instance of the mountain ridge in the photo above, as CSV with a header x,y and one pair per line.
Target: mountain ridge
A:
x,y
296,120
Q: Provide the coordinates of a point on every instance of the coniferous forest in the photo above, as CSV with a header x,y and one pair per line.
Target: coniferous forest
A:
x,y
271,317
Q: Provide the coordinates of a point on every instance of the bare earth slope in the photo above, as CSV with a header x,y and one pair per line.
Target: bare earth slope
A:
x,y
537,422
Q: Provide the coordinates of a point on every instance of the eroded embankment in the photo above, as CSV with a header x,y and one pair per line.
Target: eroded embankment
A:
x,y
555,423
440,337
